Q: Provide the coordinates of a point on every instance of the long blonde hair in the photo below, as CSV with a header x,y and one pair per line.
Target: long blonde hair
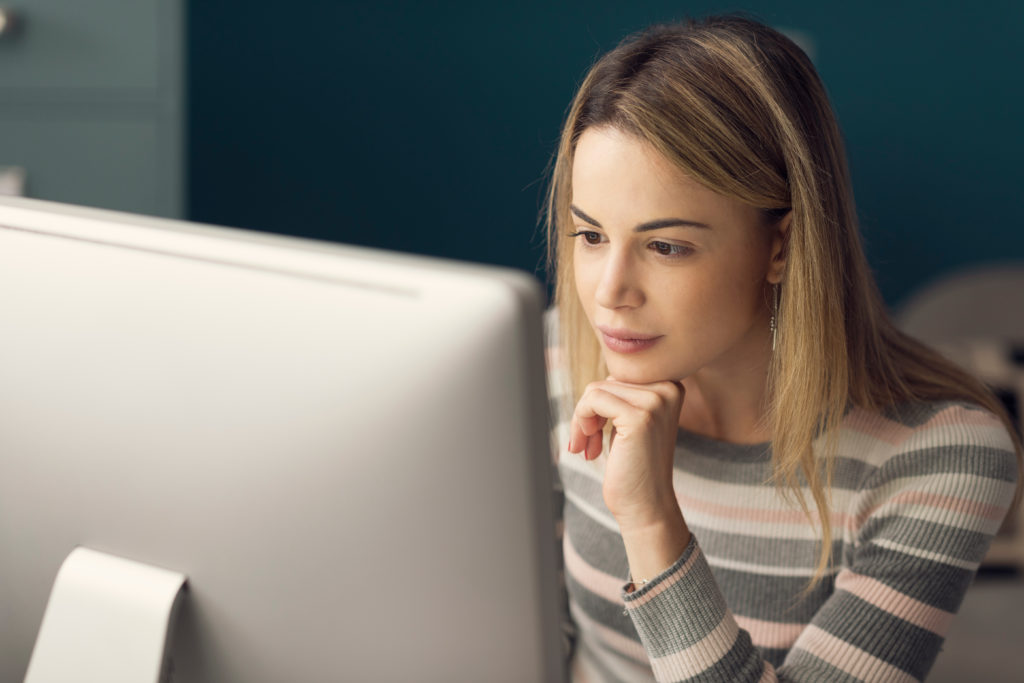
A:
x,y
739,107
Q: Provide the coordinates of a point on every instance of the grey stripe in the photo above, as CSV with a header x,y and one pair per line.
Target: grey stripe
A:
x,y
741,663
770,552
962,544
715,469
944,588
771,598
879,633
915,414
692,442
583,486
803,667
994,463
606,613
658,621
848,475
775,655
587,653
599,547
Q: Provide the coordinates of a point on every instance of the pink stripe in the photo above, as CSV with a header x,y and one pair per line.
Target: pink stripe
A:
x,y
892,601
850,659
670,581
688,503
774,634
894,433
940,502
876,426
969,507
593,579
958,415
768,675
699,657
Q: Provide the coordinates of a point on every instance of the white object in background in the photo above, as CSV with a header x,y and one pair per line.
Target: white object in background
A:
x,y
12,180
9,21
108,619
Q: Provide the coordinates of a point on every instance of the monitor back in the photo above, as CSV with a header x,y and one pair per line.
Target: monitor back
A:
x,y
345,450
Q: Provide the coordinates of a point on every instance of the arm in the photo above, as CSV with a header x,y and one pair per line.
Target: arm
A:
x,y
921,525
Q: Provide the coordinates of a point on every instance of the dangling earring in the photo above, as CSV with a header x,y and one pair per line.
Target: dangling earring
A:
x,y
773,323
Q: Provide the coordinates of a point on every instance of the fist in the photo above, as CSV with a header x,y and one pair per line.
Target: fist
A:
x,y
645,420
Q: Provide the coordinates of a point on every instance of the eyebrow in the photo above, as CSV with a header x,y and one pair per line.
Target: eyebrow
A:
x,y
649,225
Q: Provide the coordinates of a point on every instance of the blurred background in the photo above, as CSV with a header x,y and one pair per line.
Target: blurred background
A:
x,y
428,126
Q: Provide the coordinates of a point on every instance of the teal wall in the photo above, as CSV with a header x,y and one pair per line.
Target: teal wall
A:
x,y
426,127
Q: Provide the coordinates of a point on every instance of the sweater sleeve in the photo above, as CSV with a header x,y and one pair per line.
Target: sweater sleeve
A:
x,y
919,528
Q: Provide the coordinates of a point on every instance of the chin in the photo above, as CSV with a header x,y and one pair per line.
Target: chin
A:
x,y
641,373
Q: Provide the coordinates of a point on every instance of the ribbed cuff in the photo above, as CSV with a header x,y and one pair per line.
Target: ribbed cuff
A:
x,y
685,625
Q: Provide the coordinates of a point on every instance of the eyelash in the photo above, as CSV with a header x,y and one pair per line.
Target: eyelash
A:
x,y
680,250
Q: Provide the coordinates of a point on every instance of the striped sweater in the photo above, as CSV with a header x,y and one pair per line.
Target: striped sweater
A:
x,y
919,492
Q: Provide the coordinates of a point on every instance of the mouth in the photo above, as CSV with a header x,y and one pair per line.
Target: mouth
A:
x,y
624,334
622,340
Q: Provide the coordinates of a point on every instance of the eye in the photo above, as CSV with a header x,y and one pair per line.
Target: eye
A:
x,y
670,250
589,236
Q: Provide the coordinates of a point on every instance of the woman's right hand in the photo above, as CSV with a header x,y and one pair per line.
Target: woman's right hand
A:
x,y
638,476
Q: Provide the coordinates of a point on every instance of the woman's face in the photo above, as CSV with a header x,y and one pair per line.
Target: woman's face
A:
x,y
660,256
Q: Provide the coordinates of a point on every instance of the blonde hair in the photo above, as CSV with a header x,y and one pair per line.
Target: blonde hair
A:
x,y
739,107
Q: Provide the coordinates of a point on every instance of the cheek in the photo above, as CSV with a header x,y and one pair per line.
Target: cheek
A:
x,y
716,302
582,278
586,273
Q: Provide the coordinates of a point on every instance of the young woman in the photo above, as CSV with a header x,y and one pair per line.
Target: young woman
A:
x,y
764,479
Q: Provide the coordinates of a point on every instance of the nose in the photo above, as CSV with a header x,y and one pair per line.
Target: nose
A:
x,y
619,286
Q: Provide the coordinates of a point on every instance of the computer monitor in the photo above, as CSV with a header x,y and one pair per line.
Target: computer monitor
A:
x,y
344,449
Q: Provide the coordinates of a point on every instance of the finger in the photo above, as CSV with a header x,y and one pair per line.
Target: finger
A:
x,y
579,435
598,406
643,396
594,445
667,388
607,406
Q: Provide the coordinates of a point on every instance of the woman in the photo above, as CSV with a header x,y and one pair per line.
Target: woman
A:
x,y
764,479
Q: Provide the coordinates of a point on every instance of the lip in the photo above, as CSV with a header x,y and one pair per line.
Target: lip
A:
x,y
622,340
624,334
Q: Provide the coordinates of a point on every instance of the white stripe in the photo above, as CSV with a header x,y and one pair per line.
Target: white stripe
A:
x,y
599,516
991,436
766,570
753,496
925,554
603,637
865,447
699,657
796,531
954,485
860,447
942,516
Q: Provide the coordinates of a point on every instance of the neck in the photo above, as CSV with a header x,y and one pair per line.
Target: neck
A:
x,y
727,400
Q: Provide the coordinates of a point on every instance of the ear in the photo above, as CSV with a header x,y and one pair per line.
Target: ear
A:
x,y
779,249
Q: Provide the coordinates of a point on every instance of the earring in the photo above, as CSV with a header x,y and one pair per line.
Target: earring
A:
x,y
773,323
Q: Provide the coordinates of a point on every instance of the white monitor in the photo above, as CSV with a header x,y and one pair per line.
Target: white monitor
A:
x,y
345,450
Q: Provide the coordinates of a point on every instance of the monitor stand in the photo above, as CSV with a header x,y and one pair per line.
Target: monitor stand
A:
x,y
108,619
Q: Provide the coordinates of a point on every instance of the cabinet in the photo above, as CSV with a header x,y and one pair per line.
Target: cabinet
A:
x,y
92,102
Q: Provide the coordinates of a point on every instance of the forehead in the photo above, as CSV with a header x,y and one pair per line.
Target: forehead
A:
x,y
621,179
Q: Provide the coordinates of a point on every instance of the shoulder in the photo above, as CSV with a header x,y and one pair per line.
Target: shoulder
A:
x,y
937,444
